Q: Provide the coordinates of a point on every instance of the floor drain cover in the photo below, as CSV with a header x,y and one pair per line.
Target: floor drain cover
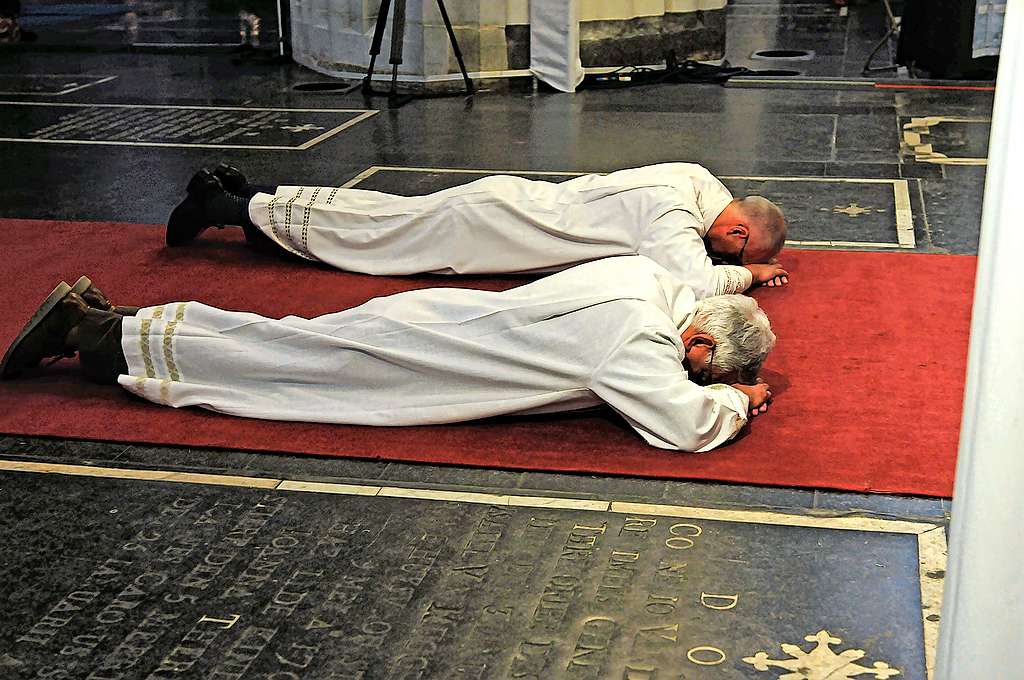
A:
x,y
794,55
320,87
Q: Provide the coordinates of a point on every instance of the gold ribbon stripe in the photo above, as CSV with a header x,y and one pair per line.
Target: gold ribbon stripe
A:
x,y
144,331
305,219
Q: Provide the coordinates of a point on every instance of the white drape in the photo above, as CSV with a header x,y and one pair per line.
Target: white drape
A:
x,y
555,43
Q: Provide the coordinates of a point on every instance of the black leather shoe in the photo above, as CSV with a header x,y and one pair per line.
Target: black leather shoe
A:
x,y
189,218
233,180
92,295
44,334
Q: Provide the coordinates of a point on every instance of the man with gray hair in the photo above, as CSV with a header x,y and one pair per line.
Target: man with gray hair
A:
x,y
678,214
621,331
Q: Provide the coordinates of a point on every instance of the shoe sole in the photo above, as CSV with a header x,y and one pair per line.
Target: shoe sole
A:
x,y
185,212
179,231
197,185
49,304
83,284
231,178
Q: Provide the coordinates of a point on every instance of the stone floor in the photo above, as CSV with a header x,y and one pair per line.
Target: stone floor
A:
x,y
837,40
136,561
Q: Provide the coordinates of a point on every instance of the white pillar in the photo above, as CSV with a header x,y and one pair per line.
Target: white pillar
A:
x,y
982,630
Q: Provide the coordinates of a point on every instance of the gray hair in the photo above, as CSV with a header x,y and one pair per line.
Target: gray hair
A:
x,y
759,210
743,335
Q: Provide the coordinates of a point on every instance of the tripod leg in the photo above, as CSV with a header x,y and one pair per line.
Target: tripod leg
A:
x,y
397,32
455,46
378,38
397,44
894,28
868,68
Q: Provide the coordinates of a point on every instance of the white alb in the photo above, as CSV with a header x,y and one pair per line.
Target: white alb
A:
x,y
508,224
602,332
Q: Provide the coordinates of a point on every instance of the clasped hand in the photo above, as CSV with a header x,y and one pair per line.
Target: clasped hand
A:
x,y
760,395
771,274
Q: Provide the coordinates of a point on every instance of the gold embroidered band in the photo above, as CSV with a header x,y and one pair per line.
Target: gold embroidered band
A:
x,y
305,219
147,359
288,216
172,368
270,215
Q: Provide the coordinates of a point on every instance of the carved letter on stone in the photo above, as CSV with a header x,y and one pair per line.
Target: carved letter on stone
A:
x,y
682,536
720,602
225,623
708,656
638,525
660,604
639,673
665,633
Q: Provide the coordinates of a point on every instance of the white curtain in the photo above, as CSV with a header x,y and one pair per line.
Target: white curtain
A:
x,y
555,43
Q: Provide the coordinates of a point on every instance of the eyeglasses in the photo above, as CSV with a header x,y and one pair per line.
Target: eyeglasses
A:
x,y
733,259
707,375
743,248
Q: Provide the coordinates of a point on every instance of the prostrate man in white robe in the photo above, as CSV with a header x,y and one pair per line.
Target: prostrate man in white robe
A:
x,y
621,331
677,214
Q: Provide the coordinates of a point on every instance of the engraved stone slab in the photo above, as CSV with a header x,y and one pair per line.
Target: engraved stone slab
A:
x,y
47,83
210,127
847,210
133,579
820,211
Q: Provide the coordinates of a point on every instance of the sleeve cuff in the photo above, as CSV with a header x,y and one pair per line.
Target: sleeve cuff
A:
x,y
732,279
729,397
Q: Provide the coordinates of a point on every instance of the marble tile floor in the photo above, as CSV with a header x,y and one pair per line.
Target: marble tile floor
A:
x,y
132,577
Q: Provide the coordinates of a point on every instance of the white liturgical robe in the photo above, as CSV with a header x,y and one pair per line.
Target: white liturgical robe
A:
x,y
605,331
507,224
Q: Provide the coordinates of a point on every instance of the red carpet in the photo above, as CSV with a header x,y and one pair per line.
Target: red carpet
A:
x,y
868,371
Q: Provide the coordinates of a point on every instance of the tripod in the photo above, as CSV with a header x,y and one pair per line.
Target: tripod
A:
x,y
894,31
397,39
